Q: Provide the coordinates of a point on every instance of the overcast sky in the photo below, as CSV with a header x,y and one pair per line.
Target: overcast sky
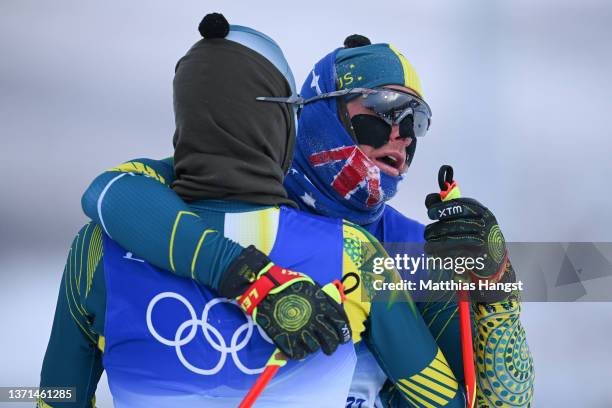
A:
x,y
519,91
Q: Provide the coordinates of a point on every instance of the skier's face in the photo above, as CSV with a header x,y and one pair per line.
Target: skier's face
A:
x,y
391,157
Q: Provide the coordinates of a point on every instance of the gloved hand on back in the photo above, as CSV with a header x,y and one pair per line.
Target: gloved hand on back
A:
x,y
293,310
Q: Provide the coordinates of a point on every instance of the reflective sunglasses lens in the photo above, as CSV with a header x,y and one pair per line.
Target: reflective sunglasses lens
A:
x,y
420,123
385,102
406,127
370,130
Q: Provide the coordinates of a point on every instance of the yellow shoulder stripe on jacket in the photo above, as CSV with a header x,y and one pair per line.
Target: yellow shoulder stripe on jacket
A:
x,y
139,168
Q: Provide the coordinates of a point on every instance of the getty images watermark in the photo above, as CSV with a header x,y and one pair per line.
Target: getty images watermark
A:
x,y
453,268
541,272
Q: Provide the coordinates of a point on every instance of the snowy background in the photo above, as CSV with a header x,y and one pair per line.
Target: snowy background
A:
x,y
522,105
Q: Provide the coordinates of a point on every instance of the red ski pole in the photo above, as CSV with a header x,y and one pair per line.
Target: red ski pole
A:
x,y
278,359
450,191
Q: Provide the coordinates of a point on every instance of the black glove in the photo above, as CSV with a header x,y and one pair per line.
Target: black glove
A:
x,y
293,310
466,228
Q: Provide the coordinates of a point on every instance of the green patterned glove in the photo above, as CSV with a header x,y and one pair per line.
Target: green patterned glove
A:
x,y
294,311
466,228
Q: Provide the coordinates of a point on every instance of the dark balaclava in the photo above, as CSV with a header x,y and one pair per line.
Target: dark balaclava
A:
x,y
228,146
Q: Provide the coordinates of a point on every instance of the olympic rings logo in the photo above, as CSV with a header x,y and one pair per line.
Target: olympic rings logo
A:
x,y
211,334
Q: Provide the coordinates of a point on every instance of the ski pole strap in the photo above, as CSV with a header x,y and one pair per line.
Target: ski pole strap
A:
x,y
448,186
445,176
271,278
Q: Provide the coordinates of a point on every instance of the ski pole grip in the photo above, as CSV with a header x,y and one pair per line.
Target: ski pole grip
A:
x,y
335,290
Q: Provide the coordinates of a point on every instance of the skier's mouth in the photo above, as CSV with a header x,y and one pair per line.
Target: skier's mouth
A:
x,y
391,162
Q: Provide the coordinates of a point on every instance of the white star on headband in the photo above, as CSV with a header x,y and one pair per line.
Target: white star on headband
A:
x,y
308,200
315,82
